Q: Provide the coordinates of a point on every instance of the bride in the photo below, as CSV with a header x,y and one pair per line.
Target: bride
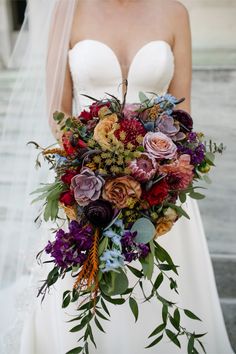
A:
x,y
102,43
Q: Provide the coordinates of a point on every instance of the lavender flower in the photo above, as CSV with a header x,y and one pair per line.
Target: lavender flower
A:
x,y
71,248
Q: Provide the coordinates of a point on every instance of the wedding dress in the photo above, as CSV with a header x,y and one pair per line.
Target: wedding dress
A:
x,y
95,69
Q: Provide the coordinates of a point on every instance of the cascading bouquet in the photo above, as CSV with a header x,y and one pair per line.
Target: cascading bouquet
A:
x,y
122,175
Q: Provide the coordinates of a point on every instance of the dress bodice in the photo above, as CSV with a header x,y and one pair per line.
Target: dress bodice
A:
x,y
95,69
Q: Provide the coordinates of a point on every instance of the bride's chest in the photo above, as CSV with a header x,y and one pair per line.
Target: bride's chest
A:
x,y
96,68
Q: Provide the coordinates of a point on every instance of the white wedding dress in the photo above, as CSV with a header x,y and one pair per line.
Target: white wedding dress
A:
x,y
95,69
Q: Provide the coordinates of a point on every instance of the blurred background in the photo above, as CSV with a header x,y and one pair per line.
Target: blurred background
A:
x,y
213,25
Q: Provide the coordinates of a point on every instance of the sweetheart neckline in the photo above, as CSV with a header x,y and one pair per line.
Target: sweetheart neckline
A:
x,y
116,57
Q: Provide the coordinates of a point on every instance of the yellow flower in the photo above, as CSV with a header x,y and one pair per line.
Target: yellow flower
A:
x,y
104,132
97,159
104,112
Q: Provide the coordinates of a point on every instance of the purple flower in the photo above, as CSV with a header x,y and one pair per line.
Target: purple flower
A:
x,y
71,248
131,249
185,120
86,186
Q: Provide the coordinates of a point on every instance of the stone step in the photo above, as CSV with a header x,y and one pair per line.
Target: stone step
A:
x,y
229,313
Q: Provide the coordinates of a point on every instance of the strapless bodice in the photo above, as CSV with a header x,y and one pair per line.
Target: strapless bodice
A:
x,y
95,69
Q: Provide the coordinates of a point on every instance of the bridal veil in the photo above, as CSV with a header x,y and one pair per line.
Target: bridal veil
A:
x,y
39,62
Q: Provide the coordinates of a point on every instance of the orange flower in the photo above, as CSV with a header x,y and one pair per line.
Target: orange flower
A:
x,y
164,225
120,190
104,132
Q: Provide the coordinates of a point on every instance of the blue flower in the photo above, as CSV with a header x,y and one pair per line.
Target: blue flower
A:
x,y
112,259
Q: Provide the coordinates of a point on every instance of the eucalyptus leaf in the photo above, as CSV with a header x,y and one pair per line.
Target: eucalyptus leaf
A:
x,y
158,281
117,285
142,97
145,230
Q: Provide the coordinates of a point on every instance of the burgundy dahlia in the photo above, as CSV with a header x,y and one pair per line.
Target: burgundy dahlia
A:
x,y
185,120
99,212
131,129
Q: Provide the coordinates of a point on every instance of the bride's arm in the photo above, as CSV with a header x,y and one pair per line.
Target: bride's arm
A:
x,y
66,104
180,85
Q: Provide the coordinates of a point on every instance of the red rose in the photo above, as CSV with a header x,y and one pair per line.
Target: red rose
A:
x,y
67,177
71,144
157,193
96,106
67,198
85,115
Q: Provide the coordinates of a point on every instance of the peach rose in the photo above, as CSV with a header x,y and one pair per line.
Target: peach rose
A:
x,y
104,132
159,145
121,190
164,225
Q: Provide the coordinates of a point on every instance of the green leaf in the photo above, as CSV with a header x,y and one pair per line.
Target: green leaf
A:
x,y
182,197
52,276
157,340
145,230
66,301
98,324
157,330
103,246
190,344
179,210
113,301
158,281
148,265
134,307
101,315
58,116
105,307
76,350
142,97
162,255
197,196
177,316
202,346
164,313
135,271
117,284
191,315
167,267
174,323
78,327
199,335
173,337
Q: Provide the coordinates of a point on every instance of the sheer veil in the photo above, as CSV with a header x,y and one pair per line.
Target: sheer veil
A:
x,y
39,62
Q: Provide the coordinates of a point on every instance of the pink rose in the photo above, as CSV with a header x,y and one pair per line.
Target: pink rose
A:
x,y
86,186
159,145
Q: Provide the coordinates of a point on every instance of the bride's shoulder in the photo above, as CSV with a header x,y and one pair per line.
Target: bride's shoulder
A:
x,y
175,9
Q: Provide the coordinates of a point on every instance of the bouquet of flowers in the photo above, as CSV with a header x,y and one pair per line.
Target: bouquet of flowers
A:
x,y
121,176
